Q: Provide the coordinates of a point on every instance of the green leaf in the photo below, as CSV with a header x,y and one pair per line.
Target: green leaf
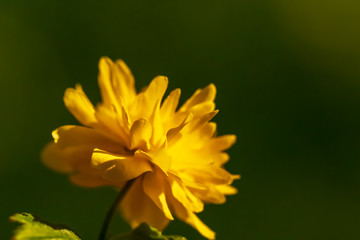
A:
x,y
146,232
33,229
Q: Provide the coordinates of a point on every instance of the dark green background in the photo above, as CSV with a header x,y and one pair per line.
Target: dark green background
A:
x,y
288,79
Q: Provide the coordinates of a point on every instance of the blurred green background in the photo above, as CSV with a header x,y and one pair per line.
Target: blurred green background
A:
x,y
288,79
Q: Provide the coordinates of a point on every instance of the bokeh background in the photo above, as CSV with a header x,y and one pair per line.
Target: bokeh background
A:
x,y
288,79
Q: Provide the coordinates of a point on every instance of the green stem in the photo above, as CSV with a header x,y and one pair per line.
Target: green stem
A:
x,y
111,211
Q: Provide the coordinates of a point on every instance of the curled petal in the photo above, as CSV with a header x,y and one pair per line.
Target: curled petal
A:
x,y
159,158
80,106
112,123
118,168
71,135
203,108
154,187
140,134
137,208
206,94
173,134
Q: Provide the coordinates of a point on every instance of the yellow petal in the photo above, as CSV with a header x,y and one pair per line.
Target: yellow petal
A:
x,y
154,187
79,105
129,78
220,158
198,123
203,108
145,102
200,96
222,143
71,135
141,154
123,82
140,134
74,160
170,104
117,168
189,217
105,81
227,189
212,174
189,183
125,114
156,90
207,131
196,136
173,134
108,79
210,195
158,137
160,158
88,180
183,195
137,208
55,158
113,124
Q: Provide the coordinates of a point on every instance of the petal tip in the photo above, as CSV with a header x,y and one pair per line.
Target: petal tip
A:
x,y
105,63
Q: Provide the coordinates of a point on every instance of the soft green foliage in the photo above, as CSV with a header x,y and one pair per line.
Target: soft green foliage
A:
x,y
146,232
32,229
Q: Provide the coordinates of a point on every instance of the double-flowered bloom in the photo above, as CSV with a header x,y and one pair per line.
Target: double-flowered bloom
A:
x,y
172,153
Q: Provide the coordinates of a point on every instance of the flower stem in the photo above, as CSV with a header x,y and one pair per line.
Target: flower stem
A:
x,y
111,211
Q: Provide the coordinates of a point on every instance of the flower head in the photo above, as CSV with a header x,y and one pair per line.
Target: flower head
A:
x,y
172,153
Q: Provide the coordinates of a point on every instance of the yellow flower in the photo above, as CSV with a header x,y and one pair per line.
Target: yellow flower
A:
x,y
172,153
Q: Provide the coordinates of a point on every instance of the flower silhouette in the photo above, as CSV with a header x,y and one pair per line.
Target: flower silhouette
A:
x,y
172,153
